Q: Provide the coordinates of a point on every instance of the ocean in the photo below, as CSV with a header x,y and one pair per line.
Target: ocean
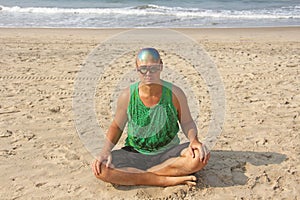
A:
x,y
146,13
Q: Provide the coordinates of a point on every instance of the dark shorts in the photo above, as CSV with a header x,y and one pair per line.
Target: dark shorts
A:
x,y
128,157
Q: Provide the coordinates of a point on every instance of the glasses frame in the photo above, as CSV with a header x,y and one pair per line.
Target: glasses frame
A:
x,y
149,68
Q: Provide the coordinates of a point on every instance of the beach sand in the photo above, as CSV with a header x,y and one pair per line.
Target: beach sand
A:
x,y
255,157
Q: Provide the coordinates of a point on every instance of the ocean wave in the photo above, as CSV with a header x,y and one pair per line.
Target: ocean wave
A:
x,y
150,9
147,6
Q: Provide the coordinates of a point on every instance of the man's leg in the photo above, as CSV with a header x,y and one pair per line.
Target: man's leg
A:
x,y
133,176
179,166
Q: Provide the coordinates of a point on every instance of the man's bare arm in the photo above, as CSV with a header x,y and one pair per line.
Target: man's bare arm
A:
x,y
114,132
188,126
117,126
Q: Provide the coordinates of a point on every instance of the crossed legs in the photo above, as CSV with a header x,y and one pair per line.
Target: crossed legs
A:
x,y
173,171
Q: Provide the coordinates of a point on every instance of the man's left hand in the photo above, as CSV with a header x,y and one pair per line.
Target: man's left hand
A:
x,y
203,151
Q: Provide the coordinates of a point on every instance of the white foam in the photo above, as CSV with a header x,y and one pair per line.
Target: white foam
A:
x,y
145,16
278,13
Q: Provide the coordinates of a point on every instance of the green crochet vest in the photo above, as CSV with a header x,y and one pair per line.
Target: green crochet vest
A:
x,y
152,130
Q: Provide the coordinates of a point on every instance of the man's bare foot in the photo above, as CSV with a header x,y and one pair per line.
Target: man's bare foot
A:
x,y
181,180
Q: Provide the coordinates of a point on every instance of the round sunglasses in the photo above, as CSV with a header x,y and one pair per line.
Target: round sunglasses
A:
x,y
150,68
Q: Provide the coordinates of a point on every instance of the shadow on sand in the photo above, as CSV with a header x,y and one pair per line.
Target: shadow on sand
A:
x,y
227,168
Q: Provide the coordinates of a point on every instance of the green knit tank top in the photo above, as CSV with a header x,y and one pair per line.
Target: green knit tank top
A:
x,y
152,130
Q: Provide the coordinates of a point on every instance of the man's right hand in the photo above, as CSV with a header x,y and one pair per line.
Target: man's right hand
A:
x,y
104,158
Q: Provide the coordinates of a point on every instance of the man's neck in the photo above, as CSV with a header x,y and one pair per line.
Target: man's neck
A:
x,y
153,89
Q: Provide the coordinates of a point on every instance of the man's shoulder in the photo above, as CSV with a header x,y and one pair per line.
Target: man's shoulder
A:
x,y
177,93
169,84
175,89
125,94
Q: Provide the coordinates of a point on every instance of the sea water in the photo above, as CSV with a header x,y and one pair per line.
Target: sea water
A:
x,y
146,13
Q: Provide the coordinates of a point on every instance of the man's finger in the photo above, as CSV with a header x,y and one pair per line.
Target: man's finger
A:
x,y
191,150
197,153
93,167
98,167
201,152
207,158
99,162
108,161
206,153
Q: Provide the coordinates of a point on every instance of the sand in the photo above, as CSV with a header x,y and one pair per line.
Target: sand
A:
x,y
255,157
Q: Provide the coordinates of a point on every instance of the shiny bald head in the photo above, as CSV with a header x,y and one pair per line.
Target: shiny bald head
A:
x,y
148,55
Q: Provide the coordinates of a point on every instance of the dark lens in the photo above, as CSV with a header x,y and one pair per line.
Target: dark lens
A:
x,y
143,70
154,69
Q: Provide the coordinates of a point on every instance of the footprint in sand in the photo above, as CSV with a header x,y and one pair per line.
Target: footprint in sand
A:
x,y
238,174
61,155
11,140
5,134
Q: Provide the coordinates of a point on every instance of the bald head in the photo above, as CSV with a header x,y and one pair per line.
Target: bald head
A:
x,y
148,55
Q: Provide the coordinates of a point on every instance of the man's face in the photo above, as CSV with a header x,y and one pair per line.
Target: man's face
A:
x,y
149,65
149,70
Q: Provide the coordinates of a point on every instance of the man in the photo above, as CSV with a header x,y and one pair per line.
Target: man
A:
x,y
152,154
